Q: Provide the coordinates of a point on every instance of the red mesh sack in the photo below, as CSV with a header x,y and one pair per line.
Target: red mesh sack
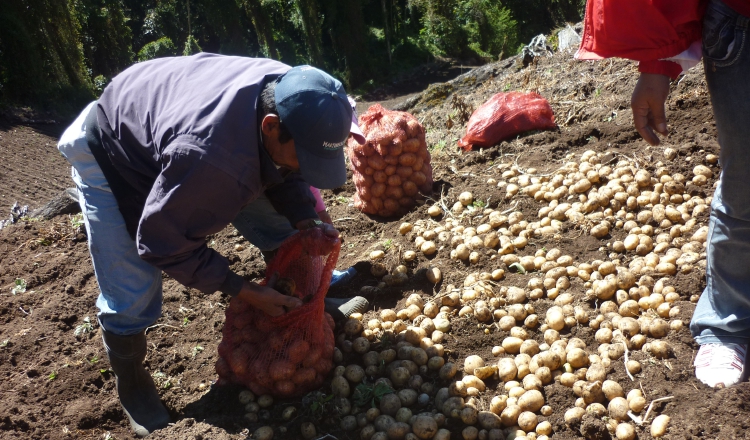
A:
x,y
506,115
287,355
392,170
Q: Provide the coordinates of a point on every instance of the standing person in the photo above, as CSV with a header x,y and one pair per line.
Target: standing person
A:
x,y
175,149
665,37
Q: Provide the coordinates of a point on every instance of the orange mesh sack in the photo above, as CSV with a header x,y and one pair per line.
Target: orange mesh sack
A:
x,y
392,169
506,115
287,355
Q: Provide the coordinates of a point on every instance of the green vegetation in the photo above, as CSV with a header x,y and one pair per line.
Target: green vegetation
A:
x,y
367,394
83,329
77,222
197,349
19,286
60,54
387,245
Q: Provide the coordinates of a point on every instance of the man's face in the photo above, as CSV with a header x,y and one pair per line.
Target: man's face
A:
x,y
283,155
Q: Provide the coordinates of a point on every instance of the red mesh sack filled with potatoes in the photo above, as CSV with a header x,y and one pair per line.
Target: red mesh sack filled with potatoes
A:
x,y
505,115
287,355
392,170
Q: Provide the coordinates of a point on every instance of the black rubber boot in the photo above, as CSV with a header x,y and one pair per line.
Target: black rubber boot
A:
x,y
135,386
342,308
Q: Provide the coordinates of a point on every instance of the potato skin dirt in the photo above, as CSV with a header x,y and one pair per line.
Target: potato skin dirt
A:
x,y
58,382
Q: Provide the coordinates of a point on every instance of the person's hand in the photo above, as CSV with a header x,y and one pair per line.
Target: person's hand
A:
x,y
328,229
325,218
267,299
647,102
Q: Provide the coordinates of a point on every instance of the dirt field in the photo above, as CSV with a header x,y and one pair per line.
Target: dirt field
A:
x,y
57,383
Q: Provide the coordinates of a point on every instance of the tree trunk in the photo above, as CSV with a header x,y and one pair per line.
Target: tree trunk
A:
x,y
309,12
262,25
387,30
346,29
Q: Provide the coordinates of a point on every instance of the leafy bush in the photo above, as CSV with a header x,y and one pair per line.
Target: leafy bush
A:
x,y
163,47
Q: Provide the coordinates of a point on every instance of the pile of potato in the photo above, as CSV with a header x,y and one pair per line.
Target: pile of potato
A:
x,y
268,358
627,298
391,171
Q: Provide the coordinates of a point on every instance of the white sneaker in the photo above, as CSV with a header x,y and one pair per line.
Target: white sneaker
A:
x,y
720,365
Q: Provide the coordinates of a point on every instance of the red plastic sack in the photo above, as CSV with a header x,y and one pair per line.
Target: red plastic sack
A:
x,y
506,115
392,170
287,355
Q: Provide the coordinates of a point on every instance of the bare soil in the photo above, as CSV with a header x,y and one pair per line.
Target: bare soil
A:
x,y
56,378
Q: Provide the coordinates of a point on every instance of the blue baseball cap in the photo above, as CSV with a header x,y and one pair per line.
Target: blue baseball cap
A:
x,y
314,107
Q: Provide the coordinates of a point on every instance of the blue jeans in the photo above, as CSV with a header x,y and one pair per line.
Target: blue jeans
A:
x,y
131,289
723,311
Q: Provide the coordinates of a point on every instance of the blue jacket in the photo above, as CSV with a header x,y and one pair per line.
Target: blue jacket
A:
x,y
183,133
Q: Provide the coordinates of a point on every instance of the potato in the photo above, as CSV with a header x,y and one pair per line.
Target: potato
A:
x,y
618,408
466,198
246,396
637,403
361,345
442,434
340,387
612,389
405,228
659,426
658,328
469,415
307,430
424,427
473,382
531,400
348,423
512,344
555,318
354,373
485,372
263,433
470,433
509,416
543,429
573,416
428,248
377,255
577,358
592,393
472,362
498,404
625,431
453,404
400,377
489,420
506,369
265,401
390,404
383,422
434,275
659,349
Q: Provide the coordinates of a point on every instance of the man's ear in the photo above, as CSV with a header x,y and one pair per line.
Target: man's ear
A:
x,y
270,124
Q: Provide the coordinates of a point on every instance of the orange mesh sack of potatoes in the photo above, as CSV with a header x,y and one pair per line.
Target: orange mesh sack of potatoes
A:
x,y
287,355
392,169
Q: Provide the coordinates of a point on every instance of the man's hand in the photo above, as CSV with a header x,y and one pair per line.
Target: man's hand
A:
x,y
268,300
324,217
328,229
647,102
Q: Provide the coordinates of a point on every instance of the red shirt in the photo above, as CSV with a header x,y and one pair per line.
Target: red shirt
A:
x,y
741,6
645,30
